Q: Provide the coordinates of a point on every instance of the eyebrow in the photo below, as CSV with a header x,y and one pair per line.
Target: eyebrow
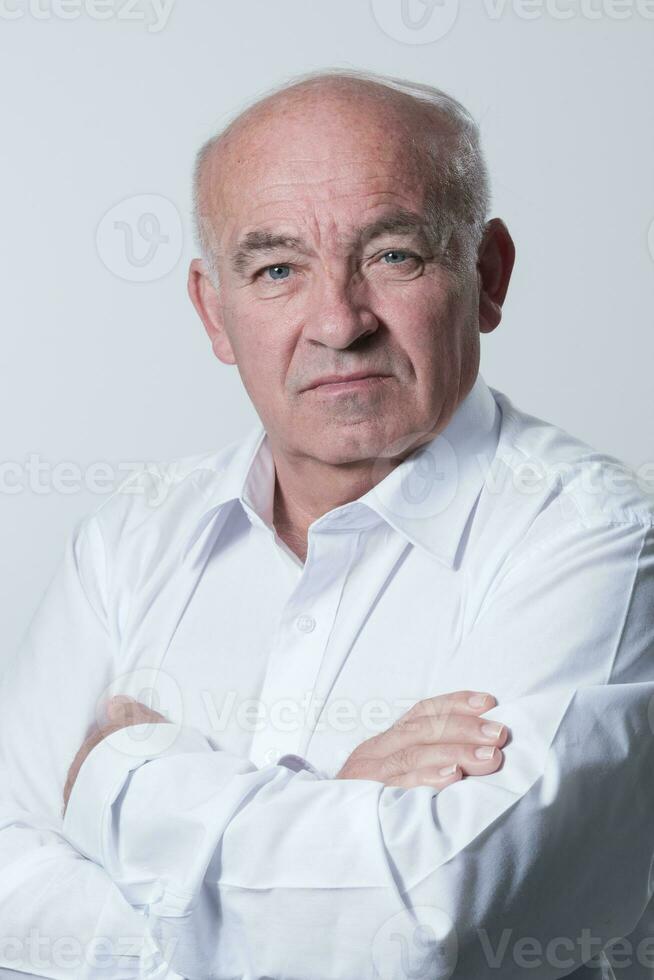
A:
x,y
261,242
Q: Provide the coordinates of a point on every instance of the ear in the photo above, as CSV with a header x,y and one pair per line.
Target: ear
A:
x,y
494,266
207,301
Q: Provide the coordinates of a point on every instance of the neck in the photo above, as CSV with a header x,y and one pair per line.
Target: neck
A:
x,y
307,488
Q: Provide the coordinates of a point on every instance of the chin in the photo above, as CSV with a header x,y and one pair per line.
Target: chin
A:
x,y
351,443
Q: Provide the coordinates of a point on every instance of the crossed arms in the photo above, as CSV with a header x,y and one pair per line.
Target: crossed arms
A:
x,y
223,869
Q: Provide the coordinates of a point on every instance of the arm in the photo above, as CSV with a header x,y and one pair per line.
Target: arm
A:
x,y
278,873
61,916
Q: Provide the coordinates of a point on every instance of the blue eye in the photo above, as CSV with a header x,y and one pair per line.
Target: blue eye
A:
x,y
395,251
274,269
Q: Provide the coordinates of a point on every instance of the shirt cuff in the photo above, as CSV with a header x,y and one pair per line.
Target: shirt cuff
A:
x,y
105,769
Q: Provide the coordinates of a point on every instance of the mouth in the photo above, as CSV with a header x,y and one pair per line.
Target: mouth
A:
x,y
352,382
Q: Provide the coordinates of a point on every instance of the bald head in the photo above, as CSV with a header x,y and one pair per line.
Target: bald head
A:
x,y
432,133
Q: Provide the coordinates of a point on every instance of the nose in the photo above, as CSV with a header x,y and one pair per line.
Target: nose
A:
x,y
337,317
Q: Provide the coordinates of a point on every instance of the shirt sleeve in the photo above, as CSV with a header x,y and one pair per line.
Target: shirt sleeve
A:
x,y
61,915
529,871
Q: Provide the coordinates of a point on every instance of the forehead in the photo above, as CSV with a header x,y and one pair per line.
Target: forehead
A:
x,y
330,166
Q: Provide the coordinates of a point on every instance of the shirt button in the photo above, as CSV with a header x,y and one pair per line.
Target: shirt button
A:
x,y
305,623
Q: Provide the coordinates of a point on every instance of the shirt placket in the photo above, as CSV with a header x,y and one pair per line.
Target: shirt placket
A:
x,y
306,621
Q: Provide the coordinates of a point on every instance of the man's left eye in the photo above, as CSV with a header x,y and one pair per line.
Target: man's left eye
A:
x,y
397,256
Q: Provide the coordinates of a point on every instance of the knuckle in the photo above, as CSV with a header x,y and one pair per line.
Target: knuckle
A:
x,y
403,760
426,706
406,723
404,726
438,726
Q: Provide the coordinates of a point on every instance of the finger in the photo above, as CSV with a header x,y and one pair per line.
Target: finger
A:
x,y
459,702
438,779
431,729
436,757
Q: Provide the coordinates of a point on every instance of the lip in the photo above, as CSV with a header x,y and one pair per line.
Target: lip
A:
x,y
337,381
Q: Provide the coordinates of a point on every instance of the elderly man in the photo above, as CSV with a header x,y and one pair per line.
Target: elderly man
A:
x,y
386,663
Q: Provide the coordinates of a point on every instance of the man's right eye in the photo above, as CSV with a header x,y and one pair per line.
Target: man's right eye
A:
x,y
276,272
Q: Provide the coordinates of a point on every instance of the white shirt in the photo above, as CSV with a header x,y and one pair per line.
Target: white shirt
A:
x,y
505,556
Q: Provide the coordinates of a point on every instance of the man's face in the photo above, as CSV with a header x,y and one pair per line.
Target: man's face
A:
x,y
312,283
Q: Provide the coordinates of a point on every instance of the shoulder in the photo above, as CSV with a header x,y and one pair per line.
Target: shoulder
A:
x,y
563,539
162,501
552,507
544,468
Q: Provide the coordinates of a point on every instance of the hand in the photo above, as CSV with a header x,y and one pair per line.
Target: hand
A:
x,y
121,711
434,736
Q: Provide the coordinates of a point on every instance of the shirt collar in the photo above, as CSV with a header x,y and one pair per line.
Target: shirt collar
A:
x,y
428,498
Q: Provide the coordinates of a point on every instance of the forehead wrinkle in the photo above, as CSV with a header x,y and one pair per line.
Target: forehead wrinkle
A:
x,y
352,182
266,179
265,214
271,168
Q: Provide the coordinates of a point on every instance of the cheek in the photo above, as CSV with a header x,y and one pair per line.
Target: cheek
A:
x,y
419,322
433,326
262,342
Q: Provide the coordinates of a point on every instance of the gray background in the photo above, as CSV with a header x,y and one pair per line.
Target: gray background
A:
x,y
99,367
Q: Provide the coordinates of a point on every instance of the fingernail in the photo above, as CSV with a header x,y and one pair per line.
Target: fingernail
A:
x,y
492,729
477,700
485,752
448,770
